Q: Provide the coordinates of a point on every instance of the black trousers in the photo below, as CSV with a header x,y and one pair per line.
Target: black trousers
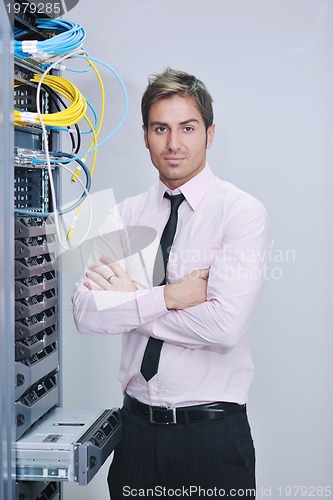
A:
x,y
207,459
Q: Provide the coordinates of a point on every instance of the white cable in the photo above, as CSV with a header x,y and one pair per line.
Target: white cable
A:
x,y
47,153
88,197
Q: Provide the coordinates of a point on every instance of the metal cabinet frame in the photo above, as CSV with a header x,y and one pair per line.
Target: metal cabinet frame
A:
x,y
7,424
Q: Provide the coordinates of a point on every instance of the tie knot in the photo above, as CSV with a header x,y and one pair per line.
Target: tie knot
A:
x,y
175,200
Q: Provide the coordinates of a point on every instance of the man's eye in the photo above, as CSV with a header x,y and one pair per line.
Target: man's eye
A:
x,y
161,130
188,129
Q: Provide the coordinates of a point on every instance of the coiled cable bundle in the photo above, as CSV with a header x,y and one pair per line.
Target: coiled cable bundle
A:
x,y
69,116
70,37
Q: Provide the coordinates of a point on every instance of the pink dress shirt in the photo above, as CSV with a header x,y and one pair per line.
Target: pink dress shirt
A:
x,y
206,352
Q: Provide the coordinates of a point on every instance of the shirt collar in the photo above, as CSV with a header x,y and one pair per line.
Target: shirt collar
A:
x,y
193,190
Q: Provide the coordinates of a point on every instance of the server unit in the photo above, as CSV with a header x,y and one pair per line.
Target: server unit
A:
x,y
68,445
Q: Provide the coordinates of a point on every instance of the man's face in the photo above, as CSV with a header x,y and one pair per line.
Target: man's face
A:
x,y
177,140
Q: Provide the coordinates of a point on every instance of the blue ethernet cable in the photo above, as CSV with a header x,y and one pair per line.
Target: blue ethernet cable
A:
x,y
70,38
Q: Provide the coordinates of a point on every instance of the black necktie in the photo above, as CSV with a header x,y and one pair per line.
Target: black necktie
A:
x,y
152,352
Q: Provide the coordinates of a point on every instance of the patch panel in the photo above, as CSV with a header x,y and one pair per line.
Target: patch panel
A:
x,y
25,97
26,158
31,189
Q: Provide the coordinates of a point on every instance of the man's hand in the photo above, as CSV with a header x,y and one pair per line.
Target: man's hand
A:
x,y
188,291
110,276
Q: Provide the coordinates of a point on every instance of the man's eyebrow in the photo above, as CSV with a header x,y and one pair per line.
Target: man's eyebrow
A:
x,y
191,120
164,124
161,124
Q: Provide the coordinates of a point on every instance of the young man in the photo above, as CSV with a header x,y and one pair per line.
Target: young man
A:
x,y
186,365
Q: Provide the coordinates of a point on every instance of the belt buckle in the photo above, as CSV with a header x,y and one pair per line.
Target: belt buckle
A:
x,y
172,413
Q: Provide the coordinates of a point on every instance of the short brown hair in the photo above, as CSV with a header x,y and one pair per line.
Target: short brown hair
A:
x,y
171,83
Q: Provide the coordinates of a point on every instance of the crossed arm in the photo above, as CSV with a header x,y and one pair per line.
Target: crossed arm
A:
x,y
189,291
205,308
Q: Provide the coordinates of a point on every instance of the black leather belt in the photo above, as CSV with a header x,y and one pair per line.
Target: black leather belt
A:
x,y
182,415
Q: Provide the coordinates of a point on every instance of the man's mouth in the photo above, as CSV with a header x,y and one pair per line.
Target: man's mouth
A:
x,y
174,158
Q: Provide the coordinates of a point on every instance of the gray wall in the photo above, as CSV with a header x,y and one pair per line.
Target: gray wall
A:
x,y
268,65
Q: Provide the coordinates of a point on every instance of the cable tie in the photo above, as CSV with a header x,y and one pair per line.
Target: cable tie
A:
x,y
28,117
29,46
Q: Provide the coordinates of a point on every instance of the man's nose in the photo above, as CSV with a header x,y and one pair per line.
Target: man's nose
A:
x,y
173,140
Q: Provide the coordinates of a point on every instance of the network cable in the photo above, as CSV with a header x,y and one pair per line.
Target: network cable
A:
x,y
100,122
68,42
56,99
92,109
47,153
57,158
68,90
19,120
94,145
125,96
69,116
69,39
72,114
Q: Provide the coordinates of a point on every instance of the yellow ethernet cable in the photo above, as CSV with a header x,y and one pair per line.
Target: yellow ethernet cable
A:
x,y
70,232
73,114
100,81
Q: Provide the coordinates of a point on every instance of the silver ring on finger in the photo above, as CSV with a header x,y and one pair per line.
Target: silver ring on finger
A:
x,y
109,279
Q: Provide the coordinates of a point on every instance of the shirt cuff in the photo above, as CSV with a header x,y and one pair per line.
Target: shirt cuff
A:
x,y
151,304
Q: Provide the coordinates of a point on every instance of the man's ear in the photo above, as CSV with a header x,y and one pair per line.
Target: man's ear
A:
x,y
145,136
210,135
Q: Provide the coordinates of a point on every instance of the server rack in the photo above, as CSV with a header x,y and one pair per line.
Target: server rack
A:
x,y
30,297
37,325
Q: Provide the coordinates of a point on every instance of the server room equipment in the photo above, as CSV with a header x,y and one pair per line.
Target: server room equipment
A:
x,y
68,445
52,444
